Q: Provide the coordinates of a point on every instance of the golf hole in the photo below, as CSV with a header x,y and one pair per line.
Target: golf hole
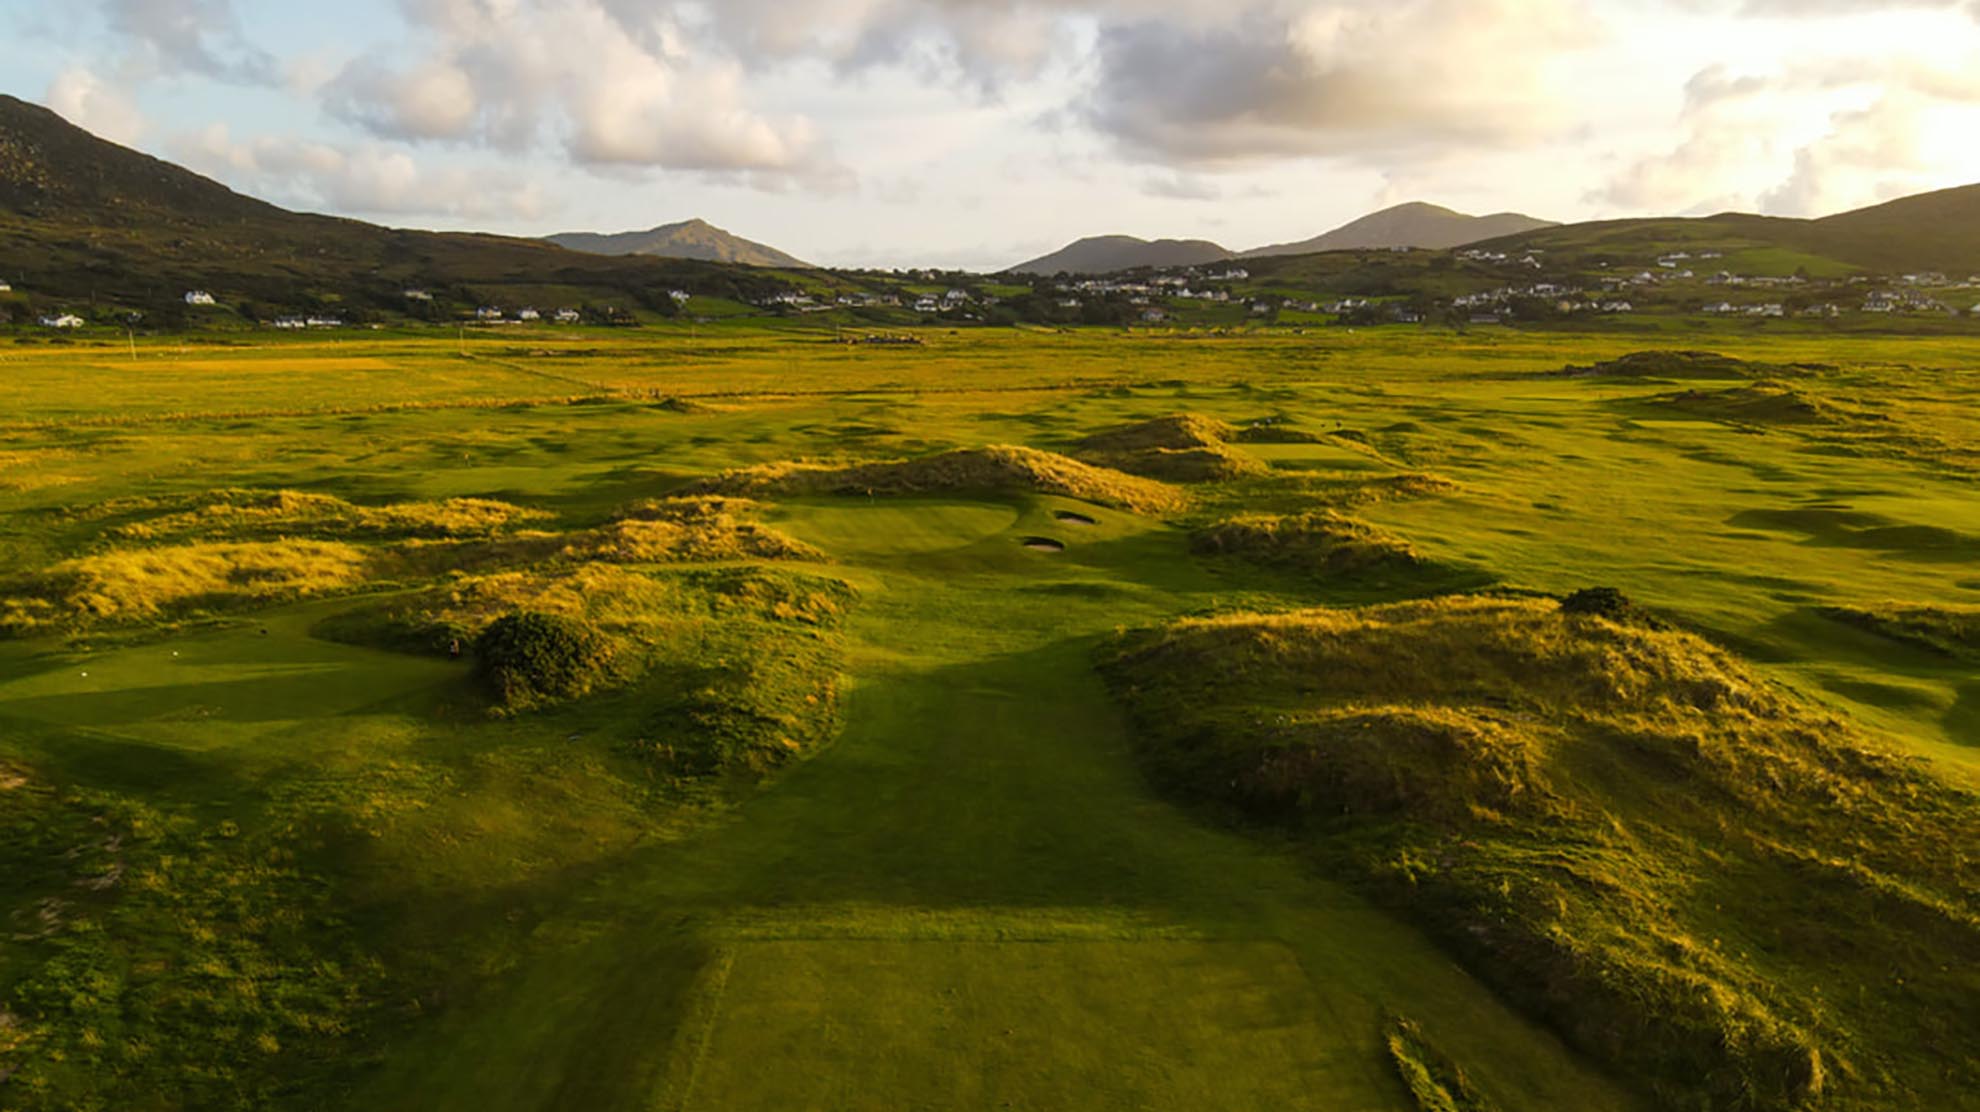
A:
x,y
1074,518
1044,544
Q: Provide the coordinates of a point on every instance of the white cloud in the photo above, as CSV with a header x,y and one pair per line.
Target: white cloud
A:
x,y
87,100
370,179
194,36
614,93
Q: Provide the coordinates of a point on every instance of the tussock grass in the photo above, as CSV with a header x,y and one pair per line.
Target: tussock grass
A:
x,y
1693,875
253,513
1952,631
1000,467
672,530
1436,1083
135,584
1326,543
1182,448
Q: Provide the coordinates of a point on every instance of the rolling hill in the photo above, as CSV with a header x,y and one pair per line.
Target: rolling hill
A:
x,y
1930,231
1105,254
1409,225
86,221
689,239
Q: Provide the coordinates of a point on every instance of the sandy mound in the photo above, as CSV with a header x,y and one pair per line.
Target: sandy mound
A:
x,y
1182,448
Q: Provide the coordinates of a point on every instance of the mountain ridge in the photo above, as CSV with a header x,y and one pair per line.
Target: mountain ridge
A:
x,y
1413,224
686,239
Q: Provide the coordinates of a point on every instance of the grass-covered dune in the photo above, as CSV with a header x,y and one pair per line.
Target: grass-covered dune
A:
x,y
998,468
1695,876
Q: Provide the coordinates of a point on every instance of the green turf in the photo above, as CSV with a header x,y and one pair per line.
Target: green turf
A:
x,y
537,912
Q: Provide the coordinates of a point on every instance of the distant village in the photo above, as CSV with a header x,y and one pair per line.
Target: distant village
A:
x,y
1684,283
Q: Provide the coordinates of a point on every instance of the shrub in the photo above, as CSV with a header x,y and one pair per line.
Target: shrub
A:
x,y
528,658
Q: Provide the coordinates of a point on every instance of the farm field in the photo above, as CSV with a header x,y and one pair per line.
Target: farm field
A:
x,y
870,784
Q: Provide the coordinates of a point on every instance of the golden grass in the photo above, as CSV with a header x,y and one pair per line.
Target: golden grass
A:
x,y
997,468
284,512
131,584
672,530
1325,542
1607,820
1183,448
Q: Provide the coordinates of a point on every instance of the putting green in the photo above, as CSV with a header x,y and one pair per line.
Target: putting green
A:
x,y
1143,1025
893,527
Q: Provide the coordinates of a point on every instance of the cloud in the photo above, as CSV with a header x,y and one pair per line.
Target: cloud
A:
x,y
1335,79
86,100
370,178
191,36
1181,187
617,90
1817,136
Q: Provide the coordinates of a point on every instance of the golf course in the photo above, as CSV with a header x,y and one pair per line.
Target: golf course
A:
x,y
732,718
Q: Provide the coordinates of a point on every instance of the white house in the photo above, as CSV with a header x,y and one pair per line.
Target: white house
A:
x,y
324,322
488,312
568,316
1234,274
528,314
927,305
66,320
291,324
418,295
679,295
198,297
6,287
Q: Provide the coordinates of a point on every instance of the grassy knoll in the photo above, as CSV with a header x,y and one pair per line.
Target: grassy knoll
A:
x,y
1614,823
838,812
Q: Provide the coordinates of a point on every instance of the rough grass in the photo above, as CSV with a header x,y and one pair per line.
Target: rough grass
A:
x,y
1325,543
1691,874
992,469
252,513
672,530
1182,448
1952,631
1762,403
1673,364
137,584
1435,1083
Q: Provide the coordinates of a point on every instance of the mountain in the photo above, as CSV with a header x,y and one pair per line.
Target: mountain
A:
x,y
85,221
1411,225
689,239
1105,254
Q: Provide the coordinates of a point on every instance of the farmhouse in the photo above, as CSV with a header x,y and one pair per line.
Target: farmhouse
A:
x,y
198,297
66,320
528,314
568,316
6,288
418,295
679,296
488,312
291,324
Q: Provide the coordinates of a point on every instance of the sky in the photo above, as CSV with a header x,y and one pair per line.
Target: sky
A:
x,y
979,133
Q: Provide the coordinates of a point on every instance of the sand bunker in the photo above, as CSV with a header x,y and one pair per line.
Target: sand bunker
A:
x,y
1044,544
1073,518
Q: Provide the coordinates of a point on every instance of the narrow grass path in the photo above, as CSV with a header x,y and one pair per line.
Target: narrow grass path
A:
x,y
972,900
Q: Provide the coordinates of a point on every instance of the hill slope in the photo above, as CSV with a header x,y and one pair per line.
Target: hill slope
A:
x,y
689,239
83,219
1409,225
1931,231
1106,254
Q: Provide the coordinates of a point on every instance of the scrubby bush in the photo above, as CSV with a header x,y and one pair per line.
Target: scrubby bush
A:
x,y
530,658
